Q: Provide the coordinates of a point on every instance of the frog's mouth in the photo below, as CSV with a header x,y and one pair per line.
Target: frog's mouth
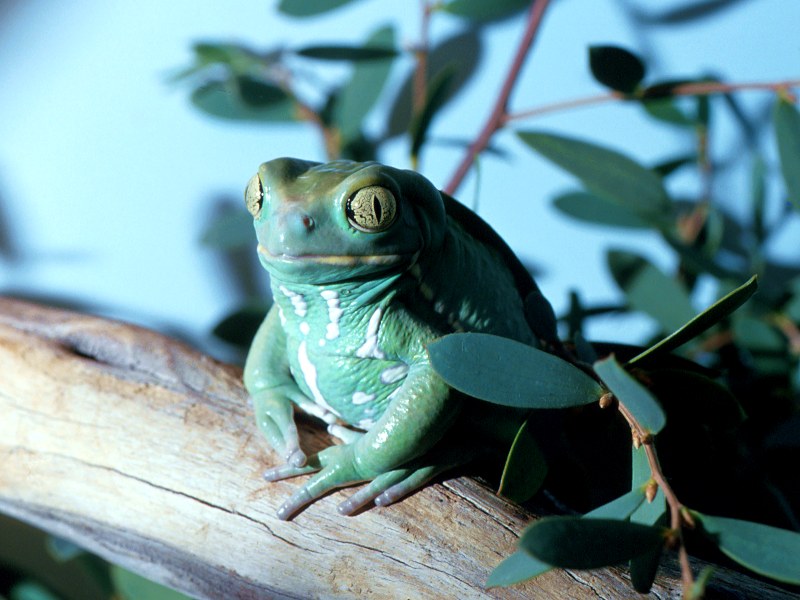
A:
x,y
380,260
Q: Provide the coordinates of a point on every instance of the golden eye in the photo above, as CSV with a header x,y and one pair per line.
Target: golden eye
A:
x,y
371,209
254,196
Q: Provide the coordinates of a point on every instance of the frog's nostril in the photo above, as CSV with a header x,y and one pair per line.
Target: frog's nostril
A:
x,y
307,222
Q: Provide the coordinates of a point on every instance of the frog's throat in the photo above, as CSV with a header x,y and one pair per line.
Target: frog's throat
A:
x,y
339,260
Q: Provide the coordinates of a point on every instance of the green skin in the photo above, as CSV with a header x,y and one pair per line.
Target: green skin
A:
x,y
362,282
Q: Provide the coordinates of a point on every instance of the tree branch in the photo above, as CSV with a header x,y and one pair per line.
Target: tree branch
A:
x,y
143,451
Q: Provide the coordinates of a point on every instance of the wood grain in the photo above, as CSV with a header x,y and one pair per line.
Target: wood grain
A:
x,y
143,450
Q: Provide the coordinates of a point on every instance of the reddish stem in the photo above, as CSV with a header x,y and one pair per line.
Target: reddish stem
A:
x,y
497,117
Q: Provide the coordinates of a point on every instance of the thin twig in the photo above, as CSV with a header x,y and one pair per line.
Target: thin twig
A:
x,y
497,117
678,516
687,89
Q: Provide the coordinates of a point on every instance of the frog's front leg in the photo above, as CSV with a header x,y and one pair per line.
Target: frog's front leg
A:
x,y
269,381
421,411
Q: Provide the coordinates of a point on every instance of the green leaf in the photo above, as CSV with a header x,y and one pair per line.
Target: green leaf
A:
x,y
359,95
702,322
639,402
62,550
667,168
309,8
232,230
606,173
644,567
620,508
693,397
667,110
616,68
649,290
349,53
518,567
437,94
31,590
224,100
507,372
521,566
462,51
766,550
131,586
698,589
239,328
525,468
575,543
786,120
759,195
481,10
590,208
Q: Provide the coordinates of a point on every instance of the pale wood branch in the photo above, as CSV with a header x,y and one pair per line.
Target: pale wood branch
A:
x,y
143,450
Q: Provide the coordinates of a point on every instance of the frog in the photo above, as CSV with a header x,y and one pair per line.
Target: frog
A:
x,y
368,264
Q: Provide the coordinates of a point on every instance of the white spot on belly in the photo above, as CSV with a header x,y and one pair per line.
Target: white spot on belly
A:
x,y
370,347
365,423
310,376
304,328
282,316
394,374
297,300
362,398
334,313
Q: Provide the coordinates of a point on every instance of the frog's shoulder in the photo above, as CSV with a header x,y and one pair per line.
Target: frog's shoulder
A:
x,y
479,229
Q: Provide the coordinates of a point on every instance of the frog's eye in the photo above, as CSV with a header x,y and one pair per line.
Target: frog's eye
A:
x,y
371,209
254,196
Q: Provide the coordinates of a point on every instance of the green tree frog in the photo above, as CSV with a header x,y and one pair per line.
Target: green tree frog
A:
x,y
368,264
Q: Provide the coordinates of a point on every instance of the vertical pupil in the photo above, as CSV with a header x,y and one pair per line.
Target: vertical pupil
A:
x,y
376,207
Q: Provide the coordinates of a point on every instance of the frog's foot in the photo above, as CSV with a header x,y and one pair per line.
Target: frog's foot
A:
x,y
334,467
390,487
275,419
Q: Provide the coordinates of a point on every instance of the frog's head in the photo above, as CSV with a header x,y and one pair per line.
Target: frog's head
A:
x,y
320,223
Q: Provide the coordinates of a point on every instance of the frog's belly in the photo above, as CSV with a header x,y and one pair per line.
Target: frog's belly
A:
x,y
354,389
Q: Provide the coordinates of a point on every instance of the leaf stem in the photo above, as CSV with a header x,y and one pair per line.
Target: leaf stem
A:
x,y
498,116
678,514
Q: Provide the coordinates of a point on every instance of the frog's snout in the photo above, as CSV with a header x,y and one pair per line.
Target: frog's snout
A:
x,y
297,222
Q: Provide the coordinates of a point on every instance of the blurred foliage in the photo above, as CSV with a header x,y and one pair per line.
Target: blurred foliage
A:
x,y
716,394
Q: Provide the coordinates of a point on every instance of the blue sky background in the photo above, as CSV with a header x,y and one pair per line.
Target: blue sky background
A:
x,y
108,176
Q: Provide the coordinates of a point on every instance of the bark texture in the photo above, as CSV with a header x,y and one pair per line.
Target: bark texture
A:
x,y
143,450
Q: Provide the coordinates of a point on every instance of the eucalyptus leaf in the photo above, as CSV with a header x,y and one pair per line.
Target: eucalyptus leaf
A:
x,y
130,586
767,550
668,167
639,402
437,94
309,8
590,208
481,10
507,372
649,290
575,543
759,196
518,567
786,121
616,68
605,172
31,590
259,94
644,567
358,96
222,100
668,111
702,322
348,53
521,566
691,10
462,51
525,468
232,230
620,508
239,327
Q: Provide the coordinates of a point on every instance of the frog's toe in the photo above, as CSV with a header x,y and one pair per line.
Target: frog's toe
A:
x,y
372,490
412,482
296,458
287,471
